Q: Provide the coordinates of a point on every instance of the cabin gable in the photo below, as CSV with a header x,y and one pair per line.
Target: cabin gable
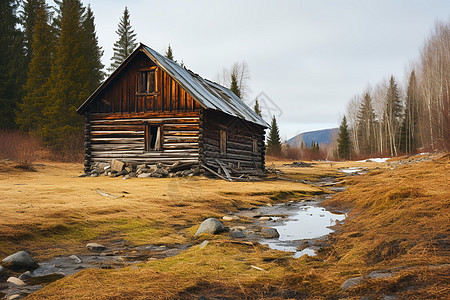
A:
x,y
141,87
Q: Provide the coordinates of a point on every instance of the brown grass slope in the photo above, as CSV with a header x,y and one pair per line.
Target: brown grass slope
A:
x,y
398,218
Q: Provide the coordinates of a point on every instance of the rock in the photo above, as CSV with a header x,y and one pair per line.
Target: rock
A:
x,y
20,260
351,282
2,270
94,175
132,174
129,169
204,244
144,175
117,165
76,259
95,247
379,274
237,234
14,297
265,218
269,233
25,275
211,226
227,218
16,281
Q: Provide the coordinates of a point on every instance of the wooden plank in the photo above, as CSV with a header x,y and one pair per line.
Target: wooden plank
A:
x,y
213,172
224,169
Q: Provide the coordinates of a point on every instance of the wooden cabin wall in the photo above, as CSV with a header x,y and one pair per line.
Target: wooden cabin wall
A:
x,y
120,96
121,136
239,141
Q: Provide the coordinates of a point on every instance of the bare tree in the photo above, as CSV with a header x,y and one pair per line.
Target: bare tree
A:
x,y
241,73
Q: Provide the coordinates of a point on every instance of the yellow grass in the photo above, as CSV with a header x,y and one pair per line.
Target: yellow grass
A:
x,y
399,218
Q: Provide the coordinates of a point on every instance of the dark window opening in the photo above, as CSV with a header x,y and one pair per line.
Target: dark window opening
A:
x,y
153,138
146,82
223,141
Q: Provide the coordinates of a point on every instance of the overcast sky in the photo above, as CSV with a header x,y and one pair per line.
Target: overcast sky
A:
x,y
309,57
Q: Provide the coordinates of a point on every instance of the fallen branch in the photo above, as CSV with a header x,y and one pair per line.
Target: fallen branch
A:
x,y
258,268
106,194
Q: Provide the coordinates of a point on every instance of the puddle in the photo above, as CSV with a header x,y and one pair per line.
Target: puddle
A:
x,y
304,227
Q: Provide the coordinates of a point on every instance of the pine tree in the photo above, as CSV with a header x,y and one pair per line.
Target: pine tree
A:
x,y
234,86
12,63
273,140
409,131
28,19
169,53
392,117
69,80
92,52
257,109
126,42
30,114
366,126
344,143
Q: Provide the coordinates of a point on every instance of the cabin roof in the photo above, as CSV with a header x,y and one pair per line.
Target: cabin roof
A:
x,y
208,94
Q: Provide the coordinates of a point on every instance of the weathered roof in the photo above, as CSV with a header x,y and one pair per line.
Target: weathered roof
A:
x,y
208,94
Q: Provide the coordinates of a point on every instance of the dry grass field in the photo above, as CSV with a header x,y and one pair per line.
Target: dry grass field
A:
x,y
398,217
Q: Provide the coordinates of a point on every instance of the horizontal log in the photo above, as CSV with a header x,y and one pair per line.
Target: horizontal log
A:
x,y
130,132
135,122
193,127
147,160
117,141
144,155
211,154
148,115
177,133
139,147
181,139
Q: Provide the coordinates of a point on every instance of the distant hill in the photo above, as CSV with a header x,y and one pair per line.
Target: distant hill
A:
x,y
324,136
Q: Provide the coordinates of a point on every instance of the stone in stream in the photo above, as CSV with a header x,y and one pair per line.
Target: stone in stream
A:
x,y
20,261
211,226
269,233
95,247
76,259
15,280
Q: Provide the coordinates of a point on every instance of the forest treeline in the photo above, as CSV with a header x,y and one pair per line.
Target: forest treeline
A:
x,y
50,64
392,119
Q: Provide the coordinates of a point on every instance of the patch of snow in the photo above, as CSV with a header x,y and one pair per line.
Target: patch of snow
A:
x,y
351,170
378,160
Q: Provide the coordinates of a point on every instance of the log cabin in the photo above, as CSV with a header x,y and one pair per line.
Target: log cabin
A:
x,y
152,110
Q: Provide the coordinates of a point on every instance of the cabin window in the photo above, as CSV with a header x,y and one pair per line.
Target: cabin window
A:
x,y
146,82
153,138
223,141
255,146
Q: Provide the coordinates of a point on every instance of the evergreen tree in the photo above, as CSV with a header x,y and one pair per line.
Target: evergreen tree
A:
x,y
257,109
344,143
69,79
126,42
92,52
30,114
169,53
392,117
12,63
28,19
366,126
409,131
273,140
234,85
